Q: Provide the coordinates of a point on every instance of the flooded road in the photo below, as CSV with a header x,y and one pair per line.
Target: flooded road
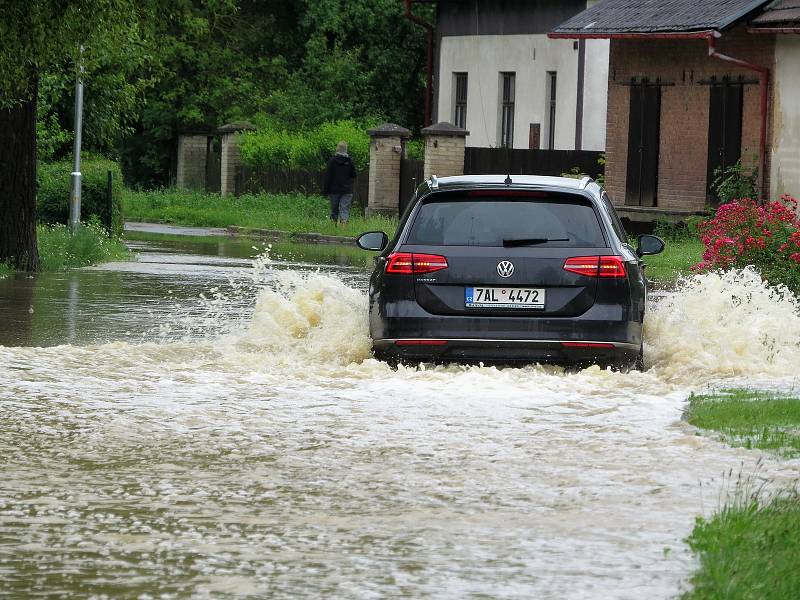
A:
x,y
196,425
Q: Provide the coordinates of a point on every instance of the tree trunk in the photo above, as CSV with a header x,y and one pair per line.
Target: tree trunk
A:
x,y
18,185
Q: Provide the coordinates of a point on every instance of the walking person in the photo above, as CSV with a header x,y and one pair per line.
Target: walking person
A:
x,y
338,185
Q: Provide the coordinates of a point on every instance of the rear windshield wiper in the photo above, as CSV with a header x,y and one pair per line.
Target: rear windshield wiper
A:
x,y
531,241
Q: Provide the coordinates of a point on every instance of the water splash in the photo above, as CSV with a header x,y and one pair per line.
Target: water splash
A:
x,y
308,317
724,324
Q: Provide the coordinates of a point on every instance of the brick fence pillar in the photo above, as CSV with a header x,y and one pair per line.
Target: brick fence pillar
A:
x,y
190,172
444,150
385,152
230,157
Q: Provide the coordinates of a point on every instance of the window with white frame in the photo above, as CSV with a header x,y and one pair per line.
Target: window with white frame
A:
x,y
460,100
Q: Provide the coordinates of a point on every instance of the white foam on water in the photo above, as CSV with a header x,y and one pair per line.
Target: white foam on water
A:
x,y
722,325
307,318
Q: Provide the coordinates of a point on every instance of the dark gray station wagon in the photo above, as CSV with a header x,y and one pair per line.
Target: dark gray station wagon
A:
x,y
509,269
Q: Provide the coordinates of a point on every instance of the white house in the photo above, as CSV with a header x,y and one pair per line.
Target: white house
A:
x,y
499,75
782,19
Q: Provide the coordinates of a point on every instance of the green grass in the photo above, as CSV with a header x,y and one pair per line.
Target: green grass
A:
x,y
59,250
294,213
750,419
91,245
676,260
748,550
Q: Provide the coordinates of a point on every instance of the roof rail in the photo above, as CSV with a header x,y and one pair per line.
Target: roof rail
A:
x,y
585,182
433,182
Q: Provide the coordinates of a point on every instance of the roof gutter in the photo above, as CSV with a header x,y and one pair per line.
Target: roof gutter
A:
x,y
655,35
429,81
763,84
773,30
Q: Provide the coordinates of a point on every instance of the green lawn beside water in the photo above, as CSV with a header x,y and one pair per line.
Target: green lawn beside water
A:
x,y
298,213
60,250
676,260
295,213
750,419
749,549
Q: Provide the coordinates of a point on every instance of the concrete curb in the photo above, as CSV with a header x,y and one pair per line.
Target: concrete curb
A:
x,y
235,231
290,236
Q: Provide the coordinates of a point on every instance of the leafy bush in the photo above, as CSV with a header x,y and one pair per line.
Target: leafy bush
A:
x,y
310,150
90,245
54,182
601,177
744,233
415,149
677,232
735,182
577,173
574,173
295,213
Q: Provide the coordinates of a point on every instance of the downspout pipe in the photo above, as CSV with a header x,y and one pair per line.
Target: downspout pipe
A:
x,y
429,82
763,82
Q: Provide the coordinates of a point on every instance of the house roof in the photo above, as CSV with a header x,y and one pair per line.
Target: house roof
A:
x,y
612,18
783,13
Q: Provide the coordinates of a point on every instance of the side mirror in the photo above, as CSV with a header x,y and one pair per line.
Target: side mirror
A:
x,y
649,244
372,240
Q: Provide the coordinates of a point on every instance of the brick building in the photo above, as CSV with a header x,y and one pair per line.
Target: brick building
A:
x,y
694,86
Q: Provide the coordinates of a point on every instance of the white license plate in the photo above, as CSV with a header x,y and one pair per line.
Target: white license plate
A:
x,y
496,297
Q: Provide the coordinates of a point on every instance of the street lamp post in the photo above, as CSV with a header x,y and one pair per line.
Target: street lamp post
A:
x,y
75,194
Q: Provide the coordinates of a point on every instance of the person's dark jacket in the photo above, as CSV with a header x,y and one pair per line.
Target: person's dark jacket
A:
x,y
340,175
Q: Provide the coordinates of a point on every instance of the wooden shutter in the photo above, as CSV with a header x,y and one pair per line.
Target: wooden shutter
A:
x,y
644,127
724,129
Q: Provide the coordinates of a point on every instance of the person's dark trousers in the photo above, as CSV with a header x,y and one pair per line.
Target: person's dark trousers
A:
x,y
340,206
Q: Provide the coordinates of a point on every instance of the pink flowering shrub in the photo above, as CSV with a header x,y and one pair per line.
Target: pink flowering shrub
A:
x,y
745,233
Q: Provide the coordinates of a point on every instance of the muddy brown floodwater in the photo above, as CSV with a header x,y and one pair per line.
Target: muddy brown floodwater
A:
x,y
201,424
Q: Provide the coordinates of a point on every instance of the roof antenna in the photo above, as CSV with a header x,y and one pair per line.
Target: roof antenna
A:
x,y
508,179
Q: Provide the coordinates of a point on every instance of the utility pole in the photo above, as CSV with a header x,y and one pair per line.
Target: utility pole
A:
x,y
75,194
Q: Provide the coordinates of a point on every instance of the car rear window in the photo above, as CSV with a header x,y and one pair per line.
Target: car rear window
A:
x,y
490,222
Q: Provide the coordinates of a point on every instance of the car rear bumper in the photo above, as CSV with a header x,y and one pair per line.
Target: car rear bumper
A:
x,y
578,352
604,334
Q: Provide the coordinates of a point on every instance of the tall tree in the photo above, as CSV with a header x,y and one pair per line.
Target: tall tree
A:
x,y
292,64
214,63
37,36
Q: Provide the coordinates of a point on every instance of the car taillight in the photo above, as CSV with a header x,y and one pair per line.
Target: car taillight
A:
x,y
612,266
407,263
582,265
596,266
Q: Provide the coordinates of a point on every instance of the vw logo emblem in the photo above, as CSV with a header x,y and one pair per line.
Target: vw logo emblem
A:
x,y
505,268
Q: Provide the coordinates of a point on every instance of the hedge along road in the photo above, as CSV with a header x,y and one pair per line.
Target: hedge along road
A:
x,y
200,423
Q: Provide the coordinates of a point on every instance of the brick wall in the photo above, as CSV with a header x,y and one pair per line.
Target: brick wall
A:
x,y
683,64
191,165
444,155
384,175
230,160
